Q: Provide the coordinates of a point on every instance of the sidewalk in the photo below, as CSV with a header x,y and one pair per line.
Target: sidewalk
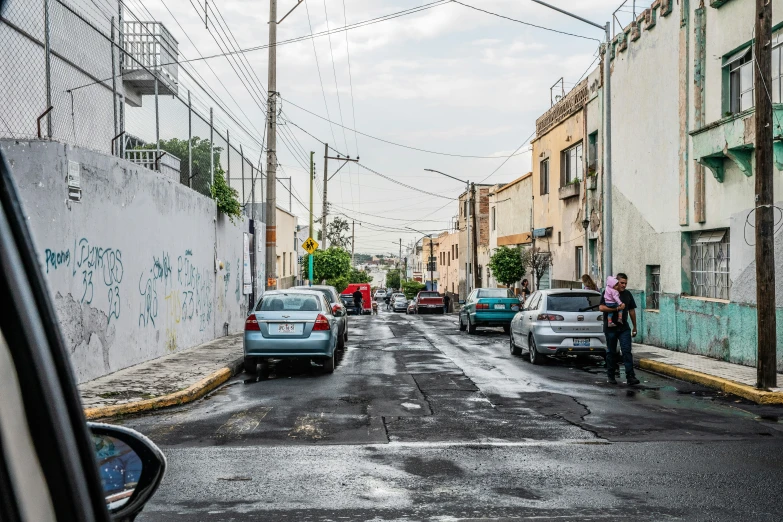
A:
x,y
173,379
728,377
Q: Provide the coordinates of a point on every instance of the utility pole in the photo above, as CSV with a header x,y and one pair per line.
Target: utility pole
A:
x,y
325,209
271,154
310,232
429,262
399,263
326,181
607,166
474,253
766,376
353,237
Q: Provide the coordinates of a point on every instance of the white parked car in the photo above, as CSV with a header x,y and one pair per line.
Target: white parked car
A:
x,y
380,294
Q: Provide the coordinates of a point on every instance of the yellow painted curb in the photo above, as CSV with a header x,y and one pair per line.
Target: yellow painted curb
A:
x,y
710,381
189,394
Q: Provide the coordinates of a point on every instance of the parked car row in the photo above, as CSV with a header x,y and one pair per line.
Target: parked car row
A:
x,y
307,322
555,322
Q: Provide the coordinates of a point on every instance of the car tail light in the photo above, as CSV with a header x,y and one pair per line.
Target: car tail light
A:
x,y
251,324
321,324
482,306
550,317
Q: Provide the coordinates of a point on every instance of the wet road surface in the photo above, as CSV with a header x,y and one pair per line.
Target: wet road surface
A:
x,y
423,422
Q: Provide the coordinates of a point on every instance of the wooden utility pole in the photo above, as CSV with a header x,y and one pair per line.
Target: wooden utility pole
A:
x,y
474,254
271,153
766,376
353,237
325,210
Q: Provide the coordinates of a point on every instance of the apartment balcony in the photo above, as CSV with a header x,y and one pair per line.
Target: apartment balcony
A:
x,y
157,160
151,54
733,139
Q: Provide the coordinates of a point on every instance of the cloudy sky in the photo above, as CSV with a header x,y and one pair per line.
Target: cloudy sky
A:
x,y
448,79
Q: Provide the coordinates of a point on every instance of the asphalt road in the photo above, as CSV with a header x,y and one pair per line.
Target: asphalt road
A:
x,y
423,422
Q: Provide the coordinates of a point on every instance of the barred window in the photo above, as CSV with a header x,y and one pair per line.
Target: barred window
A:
x,y
710,253
654,287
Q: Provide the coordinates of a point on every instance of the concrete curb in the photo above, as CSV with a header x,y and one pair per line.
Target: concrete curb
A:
x,y
710,381
189,394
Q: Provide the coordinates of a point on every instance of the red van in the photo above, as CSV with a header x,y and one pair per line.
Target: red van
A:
x,y
364,288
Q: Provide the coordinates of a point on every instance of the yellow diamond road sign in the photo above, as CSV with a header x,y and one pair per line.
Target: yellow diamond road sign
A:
x,y
311,245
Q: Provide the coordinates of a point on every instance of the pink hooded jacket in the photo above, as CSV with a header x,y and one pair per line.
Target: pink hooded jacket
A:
x,y
611,295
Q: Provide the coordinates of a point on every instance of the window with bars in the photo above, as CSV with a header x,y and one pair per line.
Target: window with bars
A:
x,y
654,287
710,254
739,67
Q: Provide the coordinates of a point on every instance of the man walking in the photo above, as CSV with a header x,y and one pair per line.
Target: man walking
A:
x,y
620,333
357,301
446,302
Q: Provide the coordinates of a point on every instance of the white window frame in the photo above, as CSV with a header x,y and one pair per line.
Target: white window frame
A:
x,y
710,258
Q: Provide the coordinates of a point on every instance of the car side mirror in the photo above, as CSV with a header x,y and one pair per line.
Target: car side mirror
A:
x,y
337,310
130,466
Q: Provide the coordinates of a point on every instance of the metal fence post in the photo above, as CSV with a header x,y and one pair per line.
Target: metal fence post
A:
x,y
157,119
48,67
190,143
242,157
121,56
211,150
114,80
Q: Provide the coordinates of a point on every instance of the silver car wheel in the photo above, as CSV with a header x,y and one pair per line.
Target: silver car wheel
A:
x,y
535,357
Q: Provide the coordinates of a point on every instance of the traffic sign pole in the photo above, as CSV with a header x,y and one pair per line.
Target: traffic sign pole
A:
x,y
310,266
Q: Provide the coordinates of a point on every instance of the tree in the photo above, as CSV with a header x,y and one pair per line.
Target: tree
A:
x,y
331,263
538,261
507,265
393,279
359,276
337,233
226,198
411,288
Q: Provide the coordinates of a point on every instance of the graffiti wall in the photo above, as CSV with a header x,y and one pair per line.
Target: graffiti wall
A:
x,y
140,267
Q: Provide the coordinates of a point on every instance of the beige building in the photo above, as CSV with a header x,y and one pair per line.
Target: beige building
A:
x,y
287,258
510,217
448,262
564,182
482,234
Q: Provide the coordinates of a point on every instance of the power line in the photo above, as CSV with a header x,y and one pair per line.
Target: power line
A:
x,y
393,143
525,23
318,67
509,157
403,184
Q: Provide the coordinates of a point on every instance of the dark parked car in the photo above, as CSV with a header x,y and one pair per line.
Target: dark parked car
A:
x,y
338,308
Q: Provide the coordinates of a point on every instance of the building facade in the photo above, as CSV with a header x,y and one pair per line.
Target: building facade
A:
x,y
448,262
286,244
510,217
684,174
566,186
482,232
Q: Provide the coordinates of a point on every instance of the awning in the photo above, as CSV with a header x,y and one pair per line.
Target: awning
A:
x,y
739,55
711,236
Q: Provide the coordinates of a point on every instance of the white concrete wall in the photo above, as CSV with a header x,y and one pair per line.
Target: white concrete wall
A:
x,y
646,83
141,267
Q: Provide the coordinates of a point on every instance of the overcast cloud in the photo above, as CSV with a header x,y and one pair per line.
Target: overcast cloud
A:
x,y
447,79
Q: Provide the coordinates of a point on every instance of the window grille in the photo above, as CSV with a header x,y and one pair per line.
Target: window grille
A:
x,y
710,254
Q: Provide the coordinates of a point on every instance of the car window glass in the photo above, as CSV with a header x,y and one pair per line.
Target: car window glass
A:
x,y
572,302
289,303
532,302
430,294
496,293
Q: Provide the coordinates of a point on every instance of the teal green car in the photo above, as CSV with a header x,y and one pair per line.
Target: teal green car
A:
x,y
488,307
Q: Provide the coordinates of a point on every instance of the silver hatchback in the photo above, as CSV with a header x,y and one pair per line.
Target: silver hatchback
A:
x,y
560,323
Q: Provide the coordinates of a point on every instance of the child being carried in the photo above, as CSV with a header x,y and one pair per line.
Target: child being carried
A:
x,y
613,301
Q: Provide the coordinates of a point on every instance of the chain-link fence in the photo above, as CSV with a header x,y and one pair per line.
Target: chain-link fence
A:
x,y
94,74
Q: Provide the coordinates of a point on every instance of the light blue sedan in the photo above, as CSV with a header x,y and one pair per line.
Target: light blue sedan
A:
x,y
291,323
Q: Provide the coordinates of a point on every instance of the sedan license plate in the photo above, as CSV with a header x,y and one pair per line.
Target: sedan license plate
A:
x,y
285,328
500,307
582,342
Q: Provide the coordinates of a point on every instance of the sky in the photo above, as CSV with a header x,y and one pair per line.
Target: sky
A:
x,y
448,79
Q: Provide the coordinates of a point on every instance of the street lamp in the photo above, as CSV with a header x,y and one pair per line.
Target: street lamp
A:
x,y
607,137
468,276
429,260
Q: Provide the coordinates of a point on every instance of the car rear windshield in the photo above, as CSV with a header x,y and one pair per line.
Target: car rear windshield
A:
x,y
496,293
289,303
573,302
429,294
327,293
